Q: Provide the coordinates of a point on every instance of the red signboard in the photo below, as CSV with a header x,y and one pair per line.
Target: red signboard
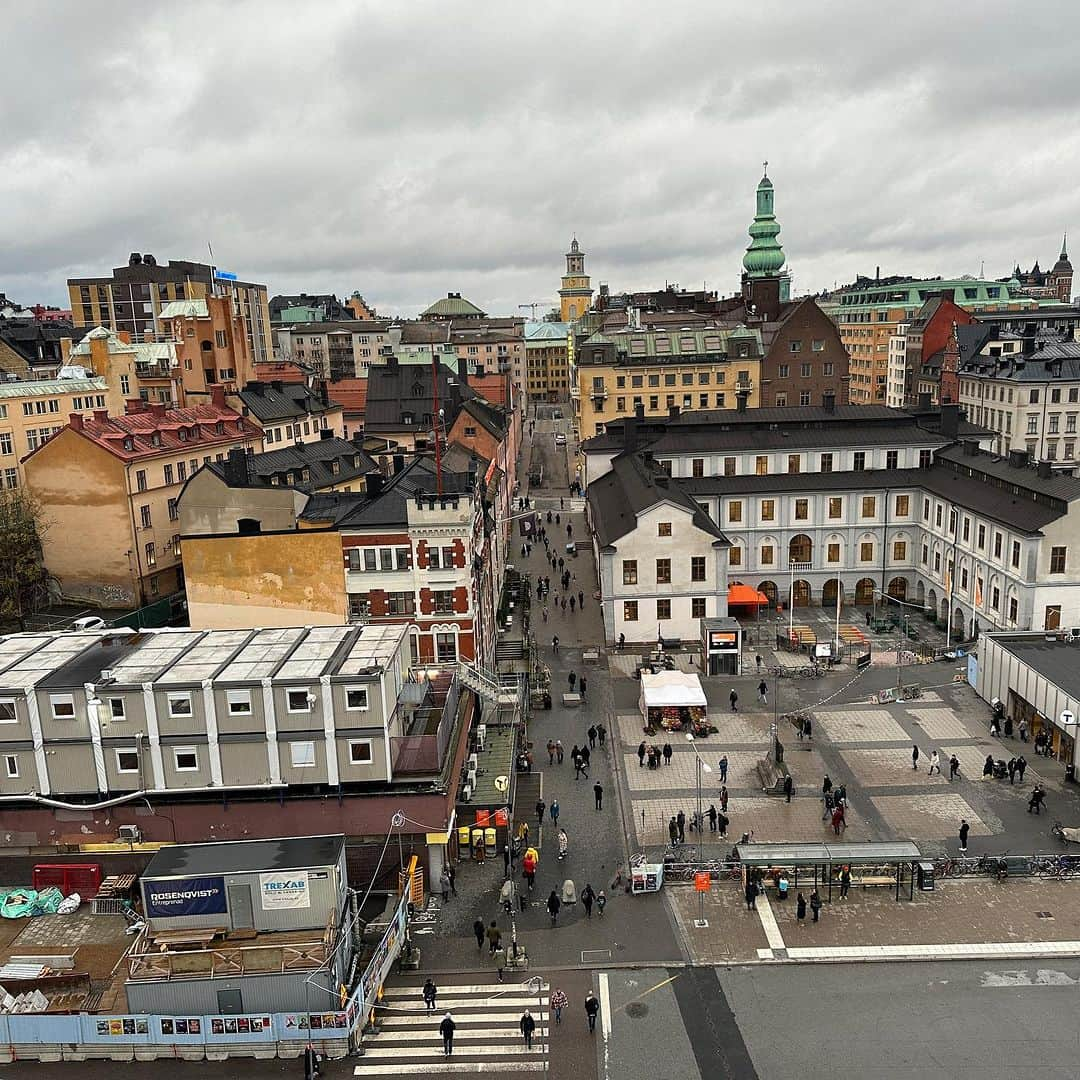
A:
x,y
702,881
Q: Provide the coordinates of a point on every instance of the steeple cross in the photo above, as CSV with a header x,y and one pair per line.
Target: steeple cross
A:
x,y
765,166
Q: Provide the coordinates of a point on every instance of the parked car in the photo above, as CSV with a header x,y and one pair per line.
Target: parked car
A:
x,y
89,622
560,439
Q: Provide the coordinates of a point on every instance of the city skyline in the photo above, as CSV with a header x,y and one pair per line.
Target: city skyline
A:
x,y
361,151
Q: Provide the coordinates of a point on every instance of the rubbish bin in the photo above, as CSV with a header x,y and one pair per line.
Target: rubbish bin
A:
x,y
926,877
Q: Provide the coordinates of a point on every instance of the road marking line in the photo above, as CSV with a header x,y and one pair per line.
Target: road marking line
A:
x,y
768,923
990,950
605,1006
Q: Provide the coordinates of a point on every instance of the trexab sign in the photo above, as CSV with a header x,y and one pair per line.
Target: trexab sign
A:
x,y
284,890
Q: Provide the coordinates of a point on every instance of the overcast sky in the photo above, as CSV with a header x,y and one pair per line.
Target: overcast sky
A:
x,y
407,149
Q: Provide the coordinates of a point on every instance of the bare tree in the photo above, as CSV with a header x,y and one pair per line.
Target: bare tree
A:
x,y
24,581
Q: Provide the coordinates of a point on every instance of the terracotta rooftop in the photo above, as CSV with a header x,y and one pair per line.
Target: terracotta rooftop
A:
x,y
351,394
280,371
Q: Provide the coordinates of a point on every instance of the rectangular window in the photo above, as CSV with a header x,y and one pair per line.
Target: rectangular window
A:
x,y
446,648
433,559
858,461
629,611
144,515
832,552
360,752
735,556
997,545
794,463
298,701
168,474
239,702
804,397
151,555
63,706
697,607
869,506
7,445
356,699
11,766
805,370
663,528
735,510
836,507
826,462
443,600
1016,553
729,466
899,550
186,758
802,509
140,480
174,511
302,755
1012,609
1057,560
663,571
179,705
7,711
866,552
127,761
663,610
629,572
902,505
981,541
767,553
697,568
783,371
697,467
937,515
768,509
761,466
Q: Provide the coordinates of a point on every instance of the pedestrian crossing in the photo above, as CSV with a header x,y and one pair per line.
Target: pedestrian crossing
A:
x,y
487,1040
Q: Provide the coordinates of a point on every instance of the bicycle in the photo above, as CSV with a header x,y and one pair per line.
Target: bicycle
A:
x,y
812,671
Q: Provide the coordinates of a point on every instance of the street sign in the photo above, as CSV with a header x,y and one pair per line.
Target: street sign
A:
x,y
1068,718
702,881
224,275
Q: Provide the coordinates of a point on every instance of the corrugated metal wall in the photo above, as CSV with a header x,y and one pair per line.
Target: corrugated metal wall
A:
x,y
288,992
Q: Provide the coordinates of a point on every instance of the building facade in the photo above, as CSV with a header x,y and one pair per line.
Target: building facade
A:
x,y
290,413
332,350
548,351
575,293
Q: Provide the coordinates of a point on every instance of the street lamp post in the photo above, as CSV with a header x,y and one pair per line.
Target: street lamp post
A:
x,y
702,766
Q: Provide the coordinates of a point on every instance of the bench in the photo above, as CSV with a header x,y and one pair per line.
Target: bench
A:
x,y
590,656
772,776
571,701
871,881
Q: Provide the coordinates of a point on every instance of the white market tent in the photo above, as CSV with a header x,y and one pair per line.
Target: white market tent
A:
x,y
670,689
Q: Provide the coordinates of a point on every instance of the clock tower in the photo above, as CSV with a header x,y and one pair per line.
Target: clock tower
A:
x,y
575,296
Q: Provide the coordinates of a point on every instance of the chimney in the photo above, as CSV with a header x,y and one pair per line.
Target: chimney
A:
x,y
828,402
100,416
399,463
217,395
157,408
877,273
1044,470
76,421
326,433
673,412
254,387
950,421
630,434
373,482
278,385
236,467
741,398
924,400
391,363
971,448
639,412
1018,459
463,370
124,336
65,349
133,405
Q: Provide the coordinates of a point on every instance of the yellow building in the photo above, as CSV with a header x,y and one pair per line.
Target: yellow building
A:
x,y
658,370
575,296
548,351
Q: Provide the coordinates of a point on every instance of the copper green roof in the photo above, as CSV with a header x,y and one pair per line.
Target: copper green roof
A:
x,y
764,257
453,305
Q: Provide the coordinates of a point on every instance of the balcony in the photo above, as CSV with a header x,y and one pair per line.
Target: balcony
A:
x,y
598,393
426,713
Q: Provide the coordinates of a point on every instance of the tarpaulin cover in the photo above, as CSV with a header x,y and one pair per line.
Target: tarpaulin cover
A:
x,y
671,688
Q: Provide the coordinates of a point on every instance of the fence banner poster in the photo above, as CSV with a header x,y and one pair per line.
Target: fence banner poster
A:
x,y
185,896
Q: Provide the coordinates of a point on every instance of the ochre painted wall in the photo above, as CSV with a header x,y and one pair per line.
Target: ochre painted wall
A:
x,y
291,579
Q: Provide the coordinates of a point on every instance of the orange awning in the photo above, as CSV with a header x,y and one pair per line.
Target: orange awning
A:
x,y
746,594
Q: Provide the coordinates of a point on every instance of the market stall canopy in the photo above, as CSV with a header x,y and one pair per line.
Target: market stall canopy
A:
x,y
746,594
671,688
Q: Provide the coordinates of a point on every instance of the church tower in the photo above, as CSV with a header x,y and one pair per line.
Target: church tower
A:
x,y
764,283
1062,274
575,296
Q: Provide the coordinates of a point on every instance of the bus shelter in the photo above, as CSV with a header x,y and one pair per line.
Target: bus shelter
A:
x,y
897,861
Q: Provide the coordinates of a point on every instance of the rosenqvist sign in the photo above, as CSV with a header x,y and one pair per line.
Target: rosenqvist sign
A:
x,y
185,896
284,890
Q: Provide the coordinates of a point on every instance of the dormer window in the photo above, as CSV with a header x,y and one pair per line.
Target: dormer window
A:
x,y
356,461
182,433
335,467
219,427
129,443
155,438
417,390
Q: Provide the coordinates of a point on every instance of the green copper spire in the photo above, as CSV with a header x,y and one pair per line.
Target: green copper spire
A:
x,y
764,257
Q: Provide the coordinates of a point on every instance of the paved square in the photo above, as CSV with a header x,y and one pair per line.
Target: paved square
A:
x,y
892,767
733,729
942,724
935,817
860,725
972,758
681,774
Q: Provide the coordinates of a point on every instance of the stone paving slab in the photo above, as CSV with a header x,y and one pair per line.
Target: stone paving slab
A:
x,y
681,774
942,723
733,935
934,816
860,725
891,767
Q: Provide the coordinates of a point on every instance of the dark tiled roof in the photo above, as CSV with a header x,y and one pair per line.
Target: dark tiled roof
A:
x,y
393,390
1059,485
492,419
630,488
270,402
318,458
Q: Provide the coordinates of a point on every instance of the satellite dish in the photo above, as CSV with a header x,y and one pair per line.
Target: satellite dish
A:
x,y
502,783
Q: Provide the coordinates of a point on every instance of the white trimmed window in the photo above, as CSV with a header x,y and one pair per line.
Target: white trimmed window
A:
x,y
356,699
127,761
186,758
116,708
11,766
63,706
7,711
360,752
179,705
239,702
299,701
302,755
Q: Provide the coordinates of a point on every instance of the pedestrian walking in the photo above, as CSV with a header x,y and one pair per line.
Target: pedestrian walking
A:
x,y
789,787
1023,730
1021,765
838,821
557,1002
845,882
592,1007
541,806
988,766
587,898
815,904
673,832
954,767
553,906
723,798
555,644
733,697
554,810
494,936
1012,770
641,754
1038,797
935,763
800,729
826,805
965,828
601,734
585,756
579,764
712,817
601,903
453,878
446,1030
430,991
622,642
571,605
722,823
598,791
571,679
478,930
527,1025
528,868
758,661
808,726
915,757
667,753
581,599
444,885
551,752
680,821
722,765
762,690
592,735
800,909
750,892
581,687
